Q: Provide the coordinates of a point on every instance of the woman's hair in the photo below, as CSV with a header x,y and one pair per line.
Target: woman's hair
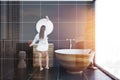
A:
x,y
42,30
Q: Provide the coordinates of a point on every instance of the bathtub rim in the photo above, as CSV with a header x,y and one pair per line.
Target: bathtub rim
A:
x,y
58,51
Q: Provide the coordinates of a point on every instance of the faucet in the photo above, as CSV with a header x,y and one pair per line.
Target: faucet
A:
x,y
70,42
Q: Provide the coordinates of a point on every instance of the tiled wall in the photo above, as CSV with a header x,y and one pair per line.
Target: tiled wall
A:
x,y
73,20
70,19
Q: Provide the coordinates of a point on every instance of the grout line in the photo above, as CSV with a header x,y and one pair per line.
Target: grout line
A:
x,y
49,4
32,74
58,76
58,25
76,20
49,40
22,24
1,61
53,22
10,72
40,10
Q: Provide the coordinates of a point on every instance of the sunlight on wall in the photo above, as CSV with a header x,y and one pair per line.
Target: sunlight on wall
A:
x,y
107,35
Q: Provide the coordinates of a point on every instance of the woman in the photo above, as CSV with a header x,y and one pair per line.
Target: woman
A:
x,y
42,47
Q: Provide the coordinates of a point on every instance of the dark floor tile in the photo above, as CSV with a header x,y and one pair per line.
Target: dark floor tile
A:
x,y
55,73
61,74
50,74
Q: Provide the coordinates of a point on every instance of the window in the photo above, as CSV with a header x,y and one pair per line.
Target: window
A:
x,y
107,36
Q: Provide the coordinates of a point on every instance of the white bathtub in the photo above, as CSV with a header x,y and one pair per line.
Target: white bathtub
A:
x,y
74,60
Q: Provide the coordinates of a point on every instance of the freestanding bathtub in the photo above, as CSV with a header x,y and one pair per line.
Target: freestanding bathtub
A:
x,y
74,60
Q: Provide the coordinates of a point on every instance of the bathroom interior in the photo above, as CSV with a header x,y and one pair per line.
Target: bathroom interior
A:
x,y
74,28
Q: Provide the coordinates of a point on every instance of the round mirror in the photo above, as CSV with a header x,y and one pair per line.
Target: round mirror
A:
x,y
46,22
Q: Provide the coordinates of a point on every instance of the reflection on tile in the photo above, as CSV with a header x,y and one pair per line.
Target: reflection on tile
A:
x,y
54,73
50,74
59,73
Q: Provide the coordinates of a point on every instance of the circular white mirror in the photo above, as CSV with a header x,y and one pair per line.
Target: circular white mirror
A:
x,y
46,22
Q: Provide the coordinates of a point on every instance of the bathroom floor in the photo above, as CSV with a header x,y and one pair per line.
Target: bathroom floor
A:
x,y
55,73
